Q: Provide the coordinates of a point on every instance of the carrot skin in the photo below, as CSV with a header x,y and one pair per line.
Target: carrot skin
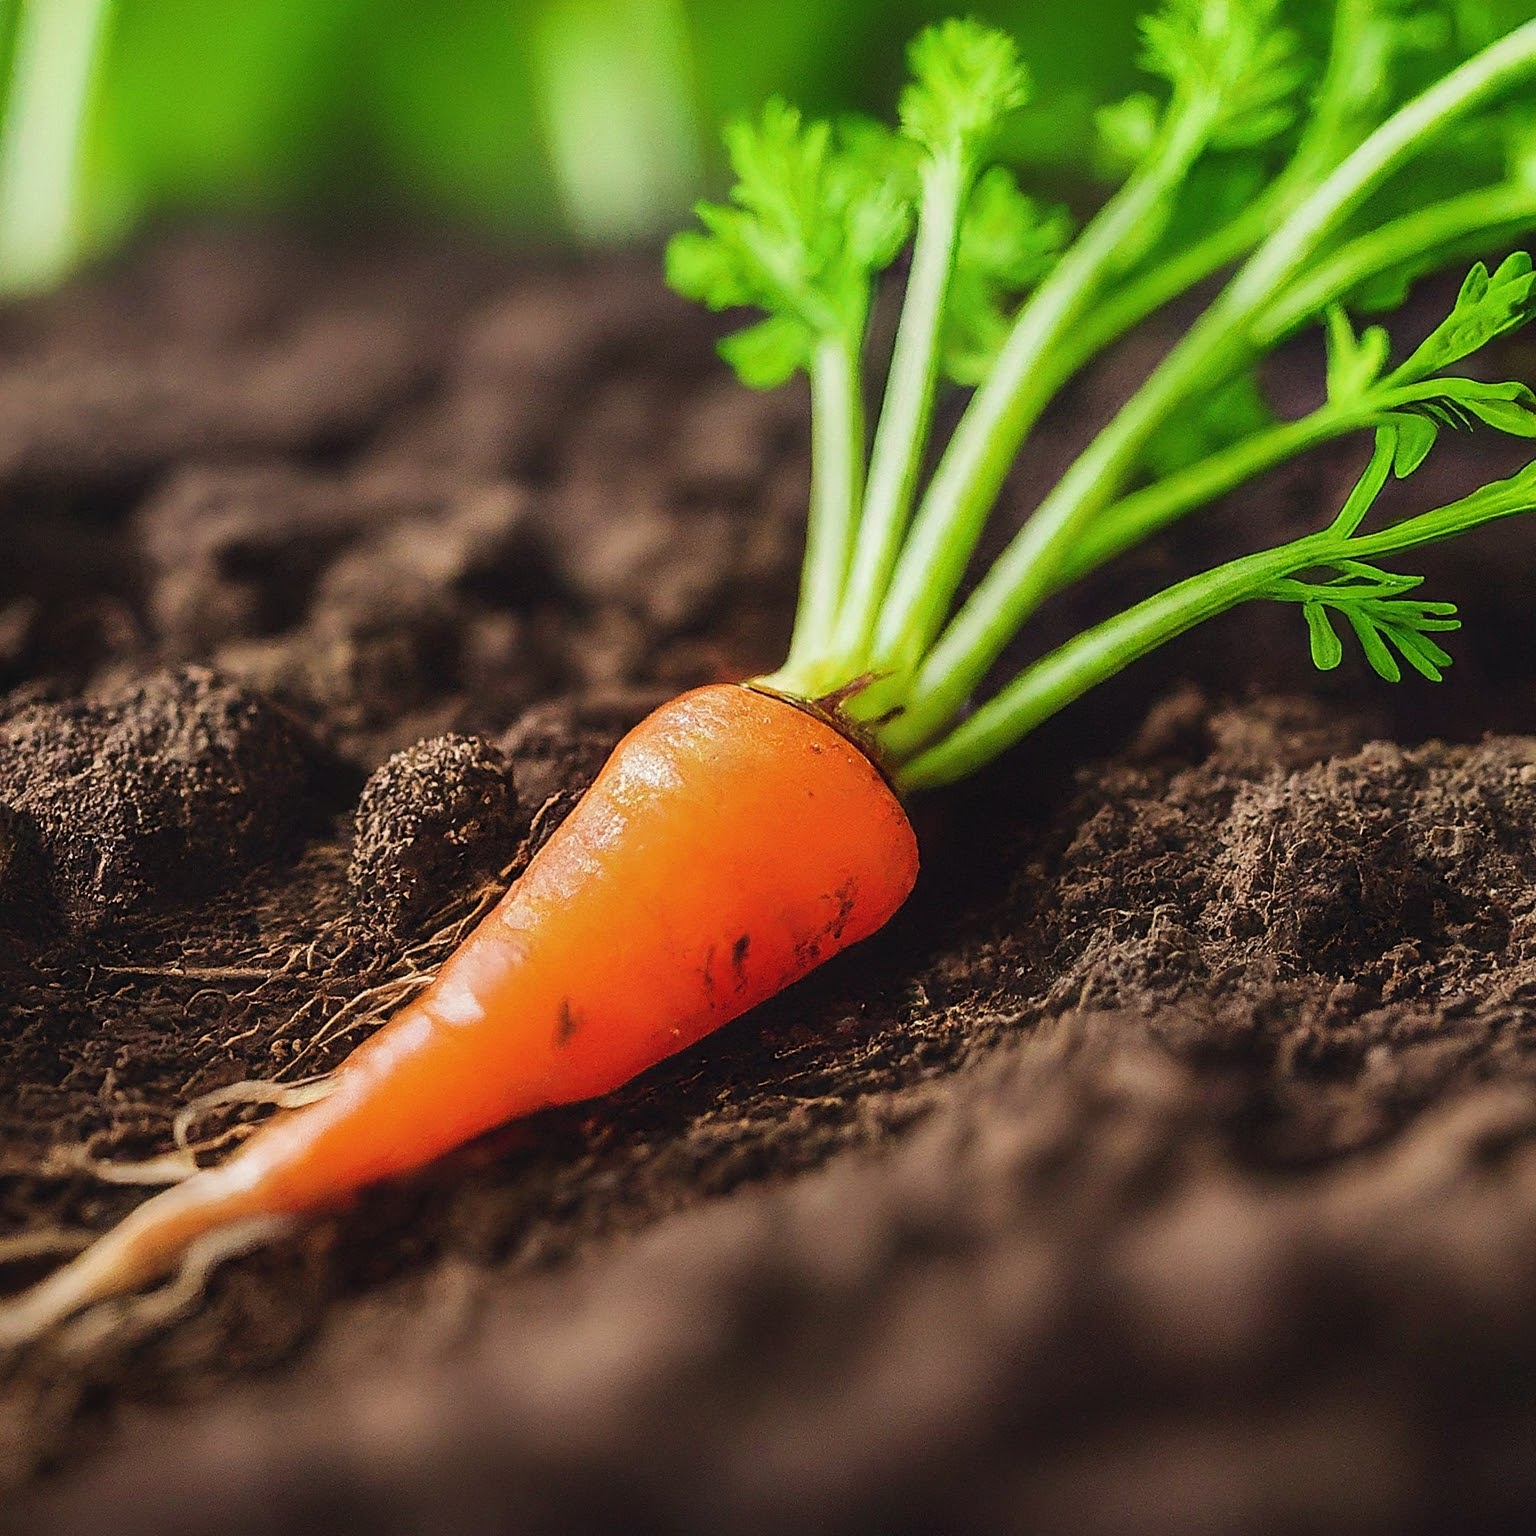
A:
x,y
731,844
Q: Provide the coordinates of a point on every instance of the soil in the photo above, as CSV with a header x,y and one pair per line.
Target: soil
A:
x,y
1167,1166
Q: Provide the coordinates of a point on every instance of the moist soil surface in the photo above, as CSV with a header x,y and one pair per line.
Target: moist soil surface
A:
x,y
1168,1165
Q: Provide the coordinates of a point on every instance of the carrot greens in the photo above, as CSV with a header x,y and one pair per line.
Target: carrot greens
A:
x,y
1303,168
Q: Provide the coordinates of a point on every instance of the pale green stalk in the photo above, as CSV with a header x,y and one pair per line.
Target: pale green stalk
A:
x,y
1096,655
1459,225
1134,518
907,412
955,505
1150,291
1471,222
837,480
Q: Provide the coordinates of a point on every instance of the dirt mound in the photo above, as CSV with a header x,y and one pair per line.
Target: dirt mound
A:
x,y
1398,870
156,793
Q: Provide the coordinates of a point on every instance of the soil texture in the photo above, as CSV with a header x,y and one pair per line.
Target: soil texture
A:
x,y
1168,1165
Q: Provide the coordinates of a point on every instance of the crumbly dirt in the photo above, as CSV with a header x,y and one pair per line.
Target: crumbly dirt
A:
x,y
1168,1165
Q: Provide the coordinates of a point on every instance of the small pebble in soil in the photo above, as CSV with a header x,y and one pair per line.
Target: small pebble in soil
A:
x,y
434,819
146,796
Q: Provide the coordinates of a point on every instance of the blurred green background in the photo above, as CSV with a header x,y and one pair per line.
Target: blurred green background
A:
x,y
589,120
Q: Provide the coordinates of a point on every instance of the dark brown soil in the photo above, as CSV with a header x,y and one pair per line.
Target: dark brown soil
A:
x,y
1167,1166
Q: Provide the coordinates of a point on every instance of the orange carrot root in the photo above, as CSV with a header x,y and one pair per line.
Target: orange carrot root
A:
x,y
731,844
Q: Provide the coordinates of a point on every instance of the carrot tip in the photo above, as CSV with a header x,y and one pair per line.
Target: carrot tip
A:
x,y
186,1231
84,1302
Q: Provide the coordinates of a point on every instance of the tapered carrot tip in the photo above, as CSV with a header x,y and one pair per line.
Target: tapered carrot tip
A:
x,y
731,844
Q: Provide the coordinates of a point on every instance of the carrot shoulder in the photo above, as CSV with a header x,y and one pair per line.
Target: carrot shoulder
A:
x,y
731,844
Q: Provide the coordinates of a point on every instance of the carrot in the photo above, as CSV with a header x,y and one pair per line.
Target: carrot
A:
x,y
732,843
737,838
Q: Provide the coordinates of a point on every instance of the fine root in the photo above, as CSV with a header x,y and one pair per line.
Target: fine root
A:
x,y
44,1243
77,1158
418,965
308,1090
184,1232
72,1159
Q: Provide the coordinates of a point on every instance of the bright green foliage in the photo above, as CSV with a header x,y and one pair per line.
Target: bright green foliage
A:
x,y
1412,403
1388,40
809,225
1313,177
1127,131
1487,307
1354,363
1372,601
1383,619
966,78
1234,52
1235,70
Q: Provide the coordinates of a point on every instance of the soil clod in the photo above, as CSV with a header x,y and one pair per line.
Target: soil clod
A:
x,y
432,821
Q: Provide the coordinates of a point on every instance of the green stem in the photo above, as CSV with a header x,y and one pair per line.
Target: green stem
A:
x,y
837,478
1097,654
1136,517
1094,656
958,498
1213,350
1457,226
1133,518
1504,498
1462,91
907,411
1148,293
1315,156
1119,312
